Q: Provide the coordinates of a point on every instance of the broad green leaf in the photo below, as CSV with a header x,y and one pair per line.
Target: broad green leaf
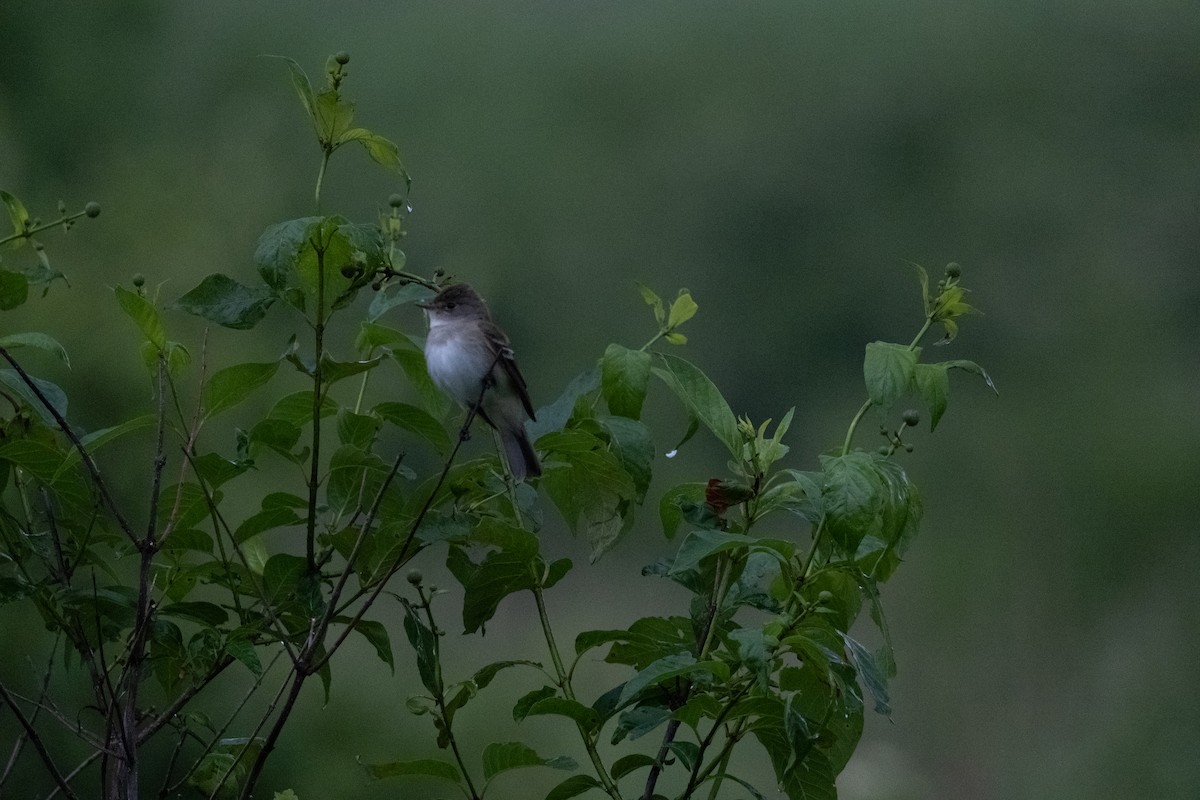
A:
x,y
281,576
583,715
633,445
301,84
512,568
265,520
624,376
674,666
501,757
226,302
278,248
426,767
205,613
853,496
242,649
553,417
332,115
572,786
682,309
382,150
297,408
650,639
97,439
357,430
869,672
529,699
14,288
888,370
415,420
16,212
396,294
144,315
377,635
701,397
896,525
923,279
626,765
230,386
425,644
637,722
755,652
589,487
933,384
484,675
670,511
38,340
334,371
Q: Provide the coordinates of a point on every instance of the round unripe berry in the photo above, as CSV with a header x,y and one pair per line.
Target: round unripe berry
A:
x,y
139,280
953,270
415,577
825,597
395,200
349,271
377,285
92,209
342,58
911,417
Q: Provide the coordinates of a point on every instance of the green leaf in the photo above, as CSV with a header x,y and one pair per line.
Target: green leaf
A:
x,y
682,309
633,445
39,340
97,439
14,289
144,315
923,279
670,511
16,212
226,302
395,294
896,524
560,706
301,83
334,371
888,370
382,151
673,666
626,765
701,544
624,376
572,786
589,487
56,396
377,635
511,568
417,421
870,673
655,302
637,722
278,248
852,494
933,384
205,613
265,520
501,757
701,397
484,675
974,369
332,115
553,417
281,576
426,767
425,644
529,699
297,408
230,386
242,649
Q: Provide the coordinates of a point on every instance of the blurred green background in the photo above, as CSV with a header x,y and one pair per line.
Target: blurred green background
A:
x,y
783,160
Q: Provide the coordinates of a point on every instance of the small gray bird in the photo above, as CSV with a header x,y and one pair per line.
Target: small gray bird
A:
x,y
465,348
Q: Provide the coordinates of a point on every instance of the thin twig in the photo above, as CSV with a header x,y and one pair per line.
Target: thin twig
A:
x,y
37,742
24,737
88,462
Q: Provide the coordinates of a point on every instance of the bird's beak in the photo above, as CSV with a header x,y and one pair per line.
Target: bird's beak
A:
x,y
427,306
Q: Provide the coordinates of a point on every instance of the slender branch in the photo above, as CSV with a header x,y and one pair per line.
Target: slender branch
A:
x,y
88,462
160,456
564,683
70,776
318,381
29,232
37,743
24,737
299,676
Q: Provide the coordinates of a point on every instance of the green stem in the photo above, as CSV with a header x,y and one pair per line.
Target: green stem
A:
x,y
440,696
326,152
318,380
25,234
564,683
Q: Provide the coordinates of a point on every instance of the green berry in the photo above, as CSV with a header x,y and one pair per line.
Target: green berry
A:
x,y
911,417
825,597
883,451
377,285
396,200
342,58
415,577
953,270
139,280
349,271
92,209
908,448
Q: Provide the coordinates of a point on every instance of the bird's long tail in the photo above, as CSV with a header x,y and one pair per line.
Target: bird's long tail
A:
x,y
519,453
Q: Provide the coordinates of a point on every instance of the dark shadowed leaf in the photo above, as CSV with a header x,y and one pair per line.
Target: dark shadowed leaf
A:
x,y
226,302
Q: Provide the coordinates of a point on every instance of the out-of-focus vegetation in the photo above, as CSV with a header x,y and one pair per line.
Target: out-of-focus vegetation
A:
x,y
783,161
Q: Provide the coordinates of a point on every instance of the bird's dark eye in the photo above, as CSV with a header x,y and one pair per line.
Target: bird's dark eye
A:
x,y
449,306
